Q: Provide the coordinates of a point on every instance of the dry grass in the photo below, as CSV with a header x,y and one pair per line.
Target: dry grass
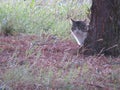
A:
x,y
33,63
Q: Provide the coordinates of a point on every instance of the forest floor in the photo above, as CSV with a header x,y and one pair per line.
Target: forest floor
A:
x,y
61,65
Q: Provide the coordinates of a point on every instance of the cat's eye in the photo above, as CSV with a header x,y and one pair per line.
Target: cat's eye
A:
x,y
82,27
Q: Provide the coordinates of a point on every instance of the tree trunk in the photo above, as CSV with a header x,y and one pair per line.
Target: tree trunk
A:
x,y
104,37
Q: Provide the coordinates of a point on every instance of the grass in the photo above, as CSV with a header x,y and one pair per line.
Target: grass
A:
x,y
68,77
37,17
47,77
53,67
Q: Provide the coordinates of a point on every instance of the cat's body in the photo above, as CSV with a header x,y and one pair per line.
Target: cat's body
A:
x,y
80,31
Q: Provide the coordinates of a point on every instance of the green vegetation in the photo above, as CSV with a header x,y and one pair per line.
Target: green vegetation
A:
x,y
41,16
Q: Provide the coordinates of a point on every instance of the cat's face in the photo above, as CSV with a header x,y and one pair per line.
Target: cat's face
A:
x,y
79,25
79,31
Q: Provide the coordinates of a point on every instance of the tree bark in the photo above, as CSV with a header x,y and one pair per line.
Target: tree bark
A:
x,y
104,37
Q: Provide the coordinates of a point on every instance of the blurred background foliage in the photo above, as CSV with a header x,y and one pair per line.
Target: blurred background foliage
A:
x,y
38,16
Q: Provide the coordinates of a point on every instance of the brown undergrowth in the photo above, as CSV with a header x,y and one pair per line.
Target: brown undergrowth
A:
x,y
29,62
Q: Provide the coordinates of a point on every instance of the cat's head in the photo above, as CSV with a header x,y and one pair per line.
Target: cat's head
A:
x,y
79,30
79,25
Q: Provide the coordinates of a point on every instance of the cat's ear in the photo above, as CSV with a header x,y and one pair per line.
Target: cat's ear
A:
x,y
86,22
72,21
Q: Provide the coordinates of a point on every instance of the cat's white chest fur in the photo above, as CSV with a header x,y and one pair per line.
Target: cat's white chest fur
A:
x,y
79,36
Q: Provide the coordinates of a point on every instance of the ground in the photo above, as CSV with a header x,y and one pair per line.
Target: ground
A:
x,y
52,53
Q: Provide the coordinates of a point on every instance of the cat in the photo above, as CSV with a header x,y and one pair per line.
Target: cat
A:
x,y
79,31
